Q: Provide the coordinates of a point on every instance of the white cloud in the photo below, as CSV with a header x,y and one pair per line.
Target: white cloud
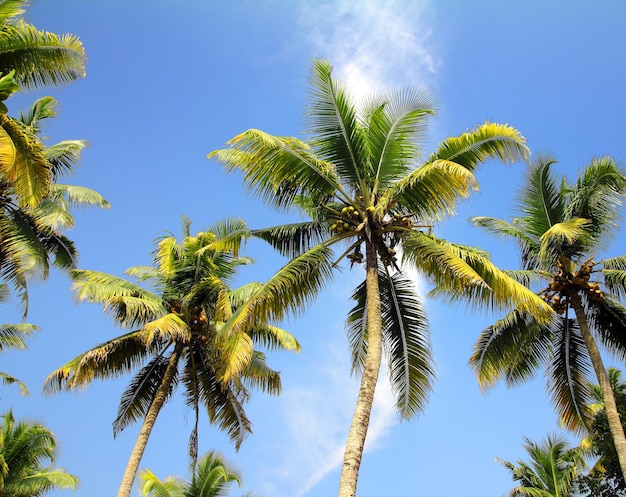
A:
x,y
374,45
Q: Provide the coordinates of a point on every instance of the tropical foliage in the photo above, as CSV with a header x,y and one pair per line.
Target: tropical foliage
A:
x,y
552,470
27,454
211,477
373,196
39,58
188,328
560,231
34,204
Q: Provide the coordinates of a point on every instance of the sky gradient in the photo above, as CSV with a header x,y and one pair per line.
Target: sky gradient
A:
x,y
170,81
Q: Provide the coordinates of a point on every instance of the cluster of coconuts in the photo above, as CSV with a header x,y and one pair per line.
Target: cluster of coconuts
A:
x,y
349,215
565,283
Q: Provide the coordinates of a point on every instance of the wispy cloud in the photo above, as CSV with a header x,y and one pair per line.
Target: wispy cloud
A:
x,y
374,45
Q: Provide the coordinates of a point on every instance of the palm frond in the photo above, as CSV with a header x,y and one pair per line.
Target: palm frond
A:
x,y
291,240
140,393
278,168
40,58
484,142
165,329
614,274
230,235
274,338
128,303
64,156
394,131
561,238
333,127
153,487
14,336
569,374
513,349
259,375
7,379
110,359
431,192
607,317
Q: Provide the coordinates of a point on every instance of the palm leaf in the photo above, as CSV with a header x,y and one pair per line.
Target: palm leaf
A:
x,y
607,317
569,374
13,336
291,240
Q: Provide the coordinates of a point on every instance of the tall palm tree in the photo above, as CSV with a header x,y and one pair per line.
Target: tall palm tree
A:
x,y
39,58
560,231
371,194
25,448
551,472
188,327
35,207
211,477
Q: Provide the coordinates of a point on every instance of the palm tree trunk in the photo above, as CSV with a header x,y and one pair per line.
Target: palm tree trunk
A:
x,y
148,423
610,406
360,420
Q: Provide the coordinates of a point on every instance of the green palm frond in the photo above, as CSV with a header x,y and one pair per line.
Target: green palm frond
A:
x,y
237,348
7,379
614,274
540,199
140,393
42,108
64,156
212,477
561,238
513,349
29,172
289,290
165,329
128,303
394,131
230,235
153,487
486,141
274,338
569,374
111,359
278,168
607,317
224,403
14,336
40,58
291,240
598,196
406,340
78,196
333,126
528,244
260,376
431,192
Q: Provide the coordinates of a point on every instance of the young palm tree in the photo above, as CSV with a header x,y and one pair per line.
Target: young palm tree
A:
x,y
39,58
561,230
34,205
363,181
551,472
24,449
211,477
188,327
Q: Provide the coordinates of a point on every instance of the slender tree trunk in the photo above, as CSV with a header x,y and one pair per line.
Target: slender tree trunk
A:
x,y
610,406
360,420
148,423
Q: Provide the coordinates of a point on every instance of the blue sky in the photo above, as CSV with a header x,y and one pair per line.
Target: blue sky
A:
x,y
169,81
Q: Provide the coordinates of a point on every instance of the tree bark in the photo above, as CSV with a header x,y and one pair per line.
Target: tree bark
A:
x,y
610,406
360,420
148,423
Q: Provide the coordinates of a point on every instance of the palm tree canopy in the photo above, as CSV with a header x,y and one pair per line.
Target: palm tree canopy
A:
x,y
39,58
184,301
27,454
362,177
551,470
560,231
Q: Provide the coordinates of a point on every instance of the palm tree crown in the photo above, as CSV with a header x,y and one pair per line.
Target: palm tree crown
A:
x,y
25,448
189,328
370,193
561,231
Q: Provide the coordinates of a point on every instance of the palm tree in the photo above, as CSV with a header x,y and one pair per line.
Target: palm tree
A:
x,y
34,205
211,477
39,58
551,472
561,229
24,449
364,183
188,327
